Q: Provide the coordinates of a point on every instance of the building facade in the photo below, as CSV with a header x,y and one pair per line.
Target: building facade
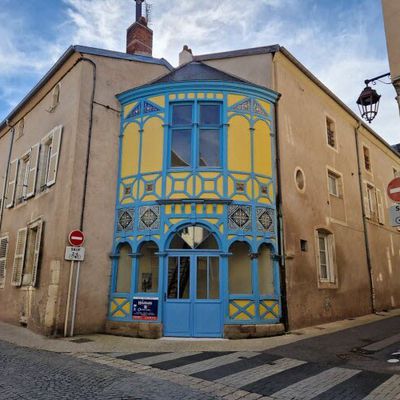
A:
x,y
229,197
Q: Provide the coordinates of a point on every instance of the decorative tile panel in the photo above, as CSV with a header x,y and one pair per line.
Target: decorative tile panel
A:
x,y
149,217
265,219
259,109
126,218
135,111
239,217
149,108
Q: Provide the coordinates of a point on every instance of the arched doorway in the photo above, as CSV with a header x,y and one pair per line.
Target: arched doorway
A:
x,y
193,305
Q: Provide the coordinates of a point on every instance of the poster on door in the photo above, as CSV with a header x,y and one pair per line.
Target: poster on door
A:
x,y
145,308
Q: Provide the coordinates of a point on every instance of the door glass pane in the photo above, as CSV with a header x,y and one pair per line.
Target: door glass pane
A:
x,y
202,278
181,148
240,269
172,289
213,278
184,278
123,283
210,114
265,271
209,152
148,269
182,114
208,243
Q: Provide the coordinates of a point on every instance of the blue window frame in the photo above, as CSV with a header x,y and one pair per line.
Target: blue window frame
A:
x,y
195,140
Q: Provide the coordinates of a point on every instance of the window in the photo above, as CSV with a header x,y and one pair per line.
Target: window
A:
x,y
148,269
49,155
199,130
265,271
22,181
20,129
334,184
299,179
207,281
367,159
27,253
240,269
3,259
330,132
325,245
55,98
194,237
124,269
373,204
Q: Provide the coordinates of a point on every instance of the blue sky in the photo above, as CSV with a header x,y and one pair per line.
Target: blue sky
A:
x,y
342,42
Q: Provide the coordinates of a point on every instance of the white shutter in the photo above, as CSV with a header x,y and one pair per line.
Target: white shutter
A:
x,y
36,253
3,260
19,257
381,213
32,174
54,155
12,178
366,201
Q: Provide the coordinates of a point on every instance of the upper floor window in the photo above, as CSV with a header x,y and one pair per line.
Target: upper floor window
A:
x,y
330,132
367,159
334,184
326,248
196,135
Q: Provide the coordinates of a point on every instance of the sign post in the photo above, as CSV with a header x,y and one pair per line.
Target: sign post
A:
x,y
73,253
393,191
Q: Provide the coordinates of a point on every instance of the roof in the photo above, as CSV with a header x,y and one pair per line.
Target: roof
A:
x,y
85,50
277,48
198,71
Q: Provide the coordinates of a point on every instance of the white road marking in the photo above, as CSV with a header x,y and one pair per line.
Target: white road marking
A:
x,y
388,390
163,357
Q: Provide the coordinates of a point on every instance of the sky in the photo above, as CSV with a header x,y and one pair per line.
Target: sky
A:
x,y
342,42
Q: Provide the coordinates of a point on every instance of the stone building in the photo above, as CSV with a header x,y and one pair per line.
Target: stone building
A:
x,y
230,196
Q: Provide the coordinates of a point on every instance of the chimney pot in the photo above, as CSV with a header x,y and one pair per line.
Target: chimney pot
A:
x,y
139,38
186,55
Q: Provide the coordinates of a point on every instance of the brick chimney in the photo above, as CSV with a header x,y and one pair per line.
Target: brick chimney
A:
x,y
139,37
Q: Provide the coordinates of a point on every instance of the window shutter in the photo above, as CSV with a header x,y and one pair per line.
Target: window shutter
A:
x,y
366,202
55,152
12,178
3,260
19,257
381,213
37,252
33,167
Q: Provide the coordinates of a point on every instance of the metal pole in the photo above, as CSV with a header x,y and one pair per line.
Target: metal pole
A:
x,y
75,299
71,270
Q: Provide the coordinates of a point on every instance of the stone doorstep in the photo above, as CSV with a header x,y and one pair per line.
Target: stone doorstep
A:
x,y
243,331
134,329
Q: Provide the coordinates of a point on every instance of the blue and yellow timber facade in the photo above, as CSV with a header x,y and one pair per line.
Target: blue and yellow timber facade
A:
x,y
196,221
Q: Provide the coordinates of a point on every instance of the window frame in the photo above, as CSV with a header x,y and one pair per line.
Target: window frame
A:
x,y
366,148
328,122
3,260
338,183
331,280
196,127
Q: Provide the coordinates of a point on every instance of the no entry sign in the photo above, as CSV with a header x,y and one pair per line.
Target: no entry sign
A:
x,y
76,238
393,189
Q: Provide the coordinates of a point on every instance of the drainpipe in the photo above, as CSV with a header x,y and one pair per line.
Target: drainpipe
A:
x,y
7,172
365,224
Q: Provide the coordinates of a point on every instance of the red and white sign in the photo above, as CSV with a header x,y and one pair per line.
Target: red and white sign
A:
x,y
393,189
76,238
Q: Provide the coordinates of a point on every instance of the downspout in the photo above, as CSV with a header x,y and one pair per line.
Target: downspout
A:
x,y
365,225
7,172
281,242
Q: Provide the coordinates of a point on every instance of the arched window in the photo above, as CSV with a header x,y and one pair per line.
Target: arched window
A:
x,y
194,237
148,268
123,281
265,271
240,269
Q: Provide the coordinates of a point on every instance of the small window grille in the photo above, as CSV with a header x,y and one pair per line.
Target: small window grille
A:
x,y
264,190
239,186
367,159
330,132
127,190
149,187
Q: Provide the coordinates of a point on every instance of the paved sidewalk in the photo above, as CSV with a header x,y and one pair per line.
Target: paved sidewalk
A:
x,y
100,343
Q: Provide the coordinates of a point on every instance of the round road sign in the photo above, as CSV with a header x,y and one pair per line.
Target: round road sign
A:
x,y
393,189
76,238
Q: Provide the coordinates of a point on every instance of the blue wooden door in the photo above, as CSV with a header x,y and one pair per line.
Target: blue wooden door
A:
x,y
193,305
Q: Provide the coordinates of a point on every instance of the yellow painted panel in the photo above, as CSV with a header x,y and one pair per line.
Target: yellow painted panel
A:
x,y
209,196
209,185
190,186
200,95
159,187
270,316
266,105
212,221
199,209
168,186
210,95
220,185
191,96
209,208
181,96
150,197
220,209
166,228
231,237
242,316
234,98
168,209
221,228
276,309
129,107
141,188
113,307
140,237
242,303
175,220
126,307
178,196
232,309
128,200
159,100
220,96
180,186
251,310
130,150
262,149
209,175
156,236
172,96
152,145
239,145
119,313
188,208
240,197
178,209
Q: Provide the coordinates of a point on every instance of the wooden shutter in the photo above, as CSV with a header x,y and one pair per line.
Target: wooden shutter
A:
x,y
381,213
19,257
33,167
54,155
36,253
366,202
12,180
3,260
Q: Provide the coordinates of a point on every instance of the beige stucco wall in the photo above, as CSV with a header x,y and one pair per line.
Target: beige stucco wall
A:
x,y
60,206
391,16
